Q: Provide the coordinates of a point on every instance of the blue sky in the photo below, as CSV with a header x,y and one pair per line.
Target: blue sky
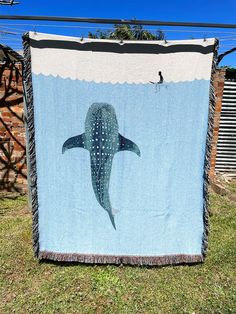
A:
x,y
169,10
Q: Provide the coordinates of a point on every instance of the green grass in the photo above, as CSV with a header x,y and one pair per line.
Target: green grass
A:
x,y
232,187
27,286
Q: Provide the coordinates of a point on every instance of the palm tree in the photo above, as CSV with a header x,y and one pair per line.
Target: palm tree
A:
x,y
128,32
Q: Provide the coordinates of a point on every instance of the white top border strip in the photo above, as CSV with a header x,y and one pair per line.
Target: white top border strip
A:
x,y
109,67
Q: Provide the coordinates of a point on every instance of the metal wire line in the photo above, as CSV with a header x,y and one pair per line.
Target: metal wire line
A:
x,y
84,27
35,27
112,27
115,21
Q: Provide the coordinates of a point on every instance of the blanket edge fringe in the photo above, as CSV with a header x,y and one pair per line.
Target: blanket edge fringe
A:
x,y
31,152
208,149
118,260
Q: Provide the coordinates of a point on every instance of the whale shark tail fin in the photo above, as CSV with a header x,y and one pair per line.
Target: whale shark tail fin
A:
x,y
112,220
75,141
126,144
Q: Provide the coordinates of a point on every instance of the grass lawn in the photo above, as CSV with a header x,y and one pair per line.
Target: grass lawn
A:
x,y
27,286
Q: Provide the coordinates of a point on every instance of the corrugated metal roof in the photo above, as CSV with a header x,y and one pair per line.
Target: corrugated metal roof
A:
x,y
226,145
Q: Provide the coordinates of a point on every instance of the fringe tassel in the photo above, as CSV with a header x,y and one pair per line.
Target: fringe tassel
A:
x,y
208,155
113,259
29,120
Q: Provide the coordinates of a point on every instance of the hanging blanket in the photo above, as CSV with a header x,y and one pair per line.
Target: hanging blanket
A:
x,y
118,146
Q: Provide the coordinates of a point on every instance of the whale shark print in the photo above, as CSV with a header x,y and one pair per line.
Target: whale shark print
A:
x,y
102,139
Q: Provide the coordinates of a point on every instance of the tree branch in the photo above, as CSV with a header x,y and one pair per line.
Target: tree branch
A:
x,y
221,56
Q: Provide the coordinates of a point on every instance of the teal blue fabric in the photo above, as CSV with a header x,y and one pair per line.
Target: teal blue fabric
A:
x,y
158,196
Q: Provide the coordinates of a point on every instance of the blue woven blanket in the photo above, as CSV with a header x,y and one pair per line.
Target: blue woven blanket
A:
x,y
118,145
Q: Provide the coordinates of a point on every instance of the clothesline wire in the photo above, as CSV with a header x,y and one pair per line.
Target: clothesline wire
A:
x,y
17,45
223,38
35,27
4,41
4,37
112,27
204,33
9,40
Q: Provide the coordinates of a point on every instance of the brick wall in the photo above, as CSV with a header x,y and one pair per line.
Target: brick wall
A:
x,y
13,172
219,79
13,175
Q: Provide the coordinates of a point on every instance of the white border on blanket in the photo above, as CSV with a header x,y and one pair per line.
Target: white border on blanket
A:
x,y
135,68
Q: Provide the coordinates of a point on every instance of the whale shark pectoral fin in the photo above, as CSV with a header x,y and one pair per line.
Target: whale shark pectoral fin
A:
x,y
125,144
75,141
